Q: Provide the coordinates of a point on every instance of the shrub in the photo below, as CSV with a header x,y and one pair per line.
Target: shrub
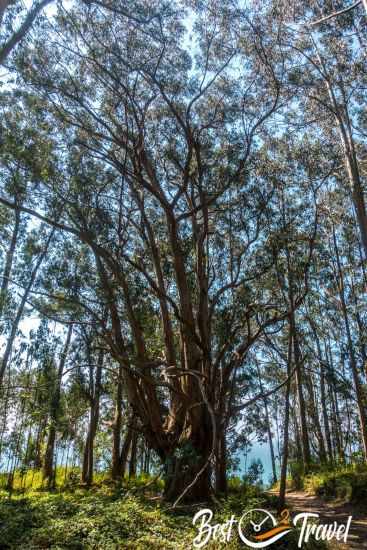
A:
x,y
347,483
296,471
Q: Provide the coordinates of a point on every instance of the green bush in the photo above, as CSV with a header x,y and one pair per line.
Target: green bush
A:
x,y
297,473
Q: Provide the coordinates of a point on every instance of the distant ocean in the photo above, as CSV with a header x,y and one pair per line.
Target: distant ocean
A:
x,y
258,451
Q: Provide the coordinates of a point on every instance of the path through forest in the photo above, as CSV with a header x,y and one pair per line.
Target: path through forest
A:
x,y
329,512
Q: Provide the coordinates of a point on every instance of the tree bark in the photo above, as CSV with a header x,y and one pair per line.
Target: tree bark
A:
x,y
325,414
341,114
183,465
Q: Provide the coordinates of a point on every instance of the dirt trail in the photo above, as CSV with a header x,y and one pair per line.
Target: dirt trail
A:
x,y
329,512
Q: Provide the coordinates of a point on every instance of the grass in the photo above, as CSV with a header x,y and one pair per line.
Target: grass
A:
x,y
106,517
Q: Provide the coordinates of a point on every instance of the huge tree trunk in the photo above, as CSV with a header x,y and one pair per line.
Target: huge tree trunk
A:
x,y
187,469
179,476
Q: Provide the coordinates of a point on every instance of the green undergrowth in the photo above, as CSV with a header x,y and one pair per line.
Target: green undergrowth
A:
x,y
69,479
347,484
344,483
110,518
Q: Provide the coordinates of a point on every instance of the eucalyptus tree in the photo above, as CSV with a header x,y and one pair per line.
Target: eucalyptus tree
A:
x,y
48,466
344,293
26,154
160,181
181,180
328,68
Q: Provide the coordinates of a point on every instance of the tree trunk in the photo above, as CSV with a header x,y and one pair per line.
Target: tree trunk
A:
x,y
88,458
147,461
117,426
316,421
19,314
306,453
133,454
268,429
325,414
336,424
48,466
9,262
297,435
283,472
221,485
352,357
179,476
183,466
125,451
340,111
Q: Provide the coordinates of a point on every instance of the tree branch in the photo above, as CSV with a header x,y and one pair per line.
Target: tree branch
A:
x,y
22,31
334,14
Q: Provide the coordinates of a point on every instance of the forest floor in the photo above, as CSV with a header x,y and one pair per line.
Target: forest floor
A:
x,y
300,501
108,518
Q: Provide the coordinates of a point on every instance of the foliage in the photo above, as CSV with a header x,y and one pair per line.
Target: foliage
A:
x,y
346,483
255,472
296,473
108,519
